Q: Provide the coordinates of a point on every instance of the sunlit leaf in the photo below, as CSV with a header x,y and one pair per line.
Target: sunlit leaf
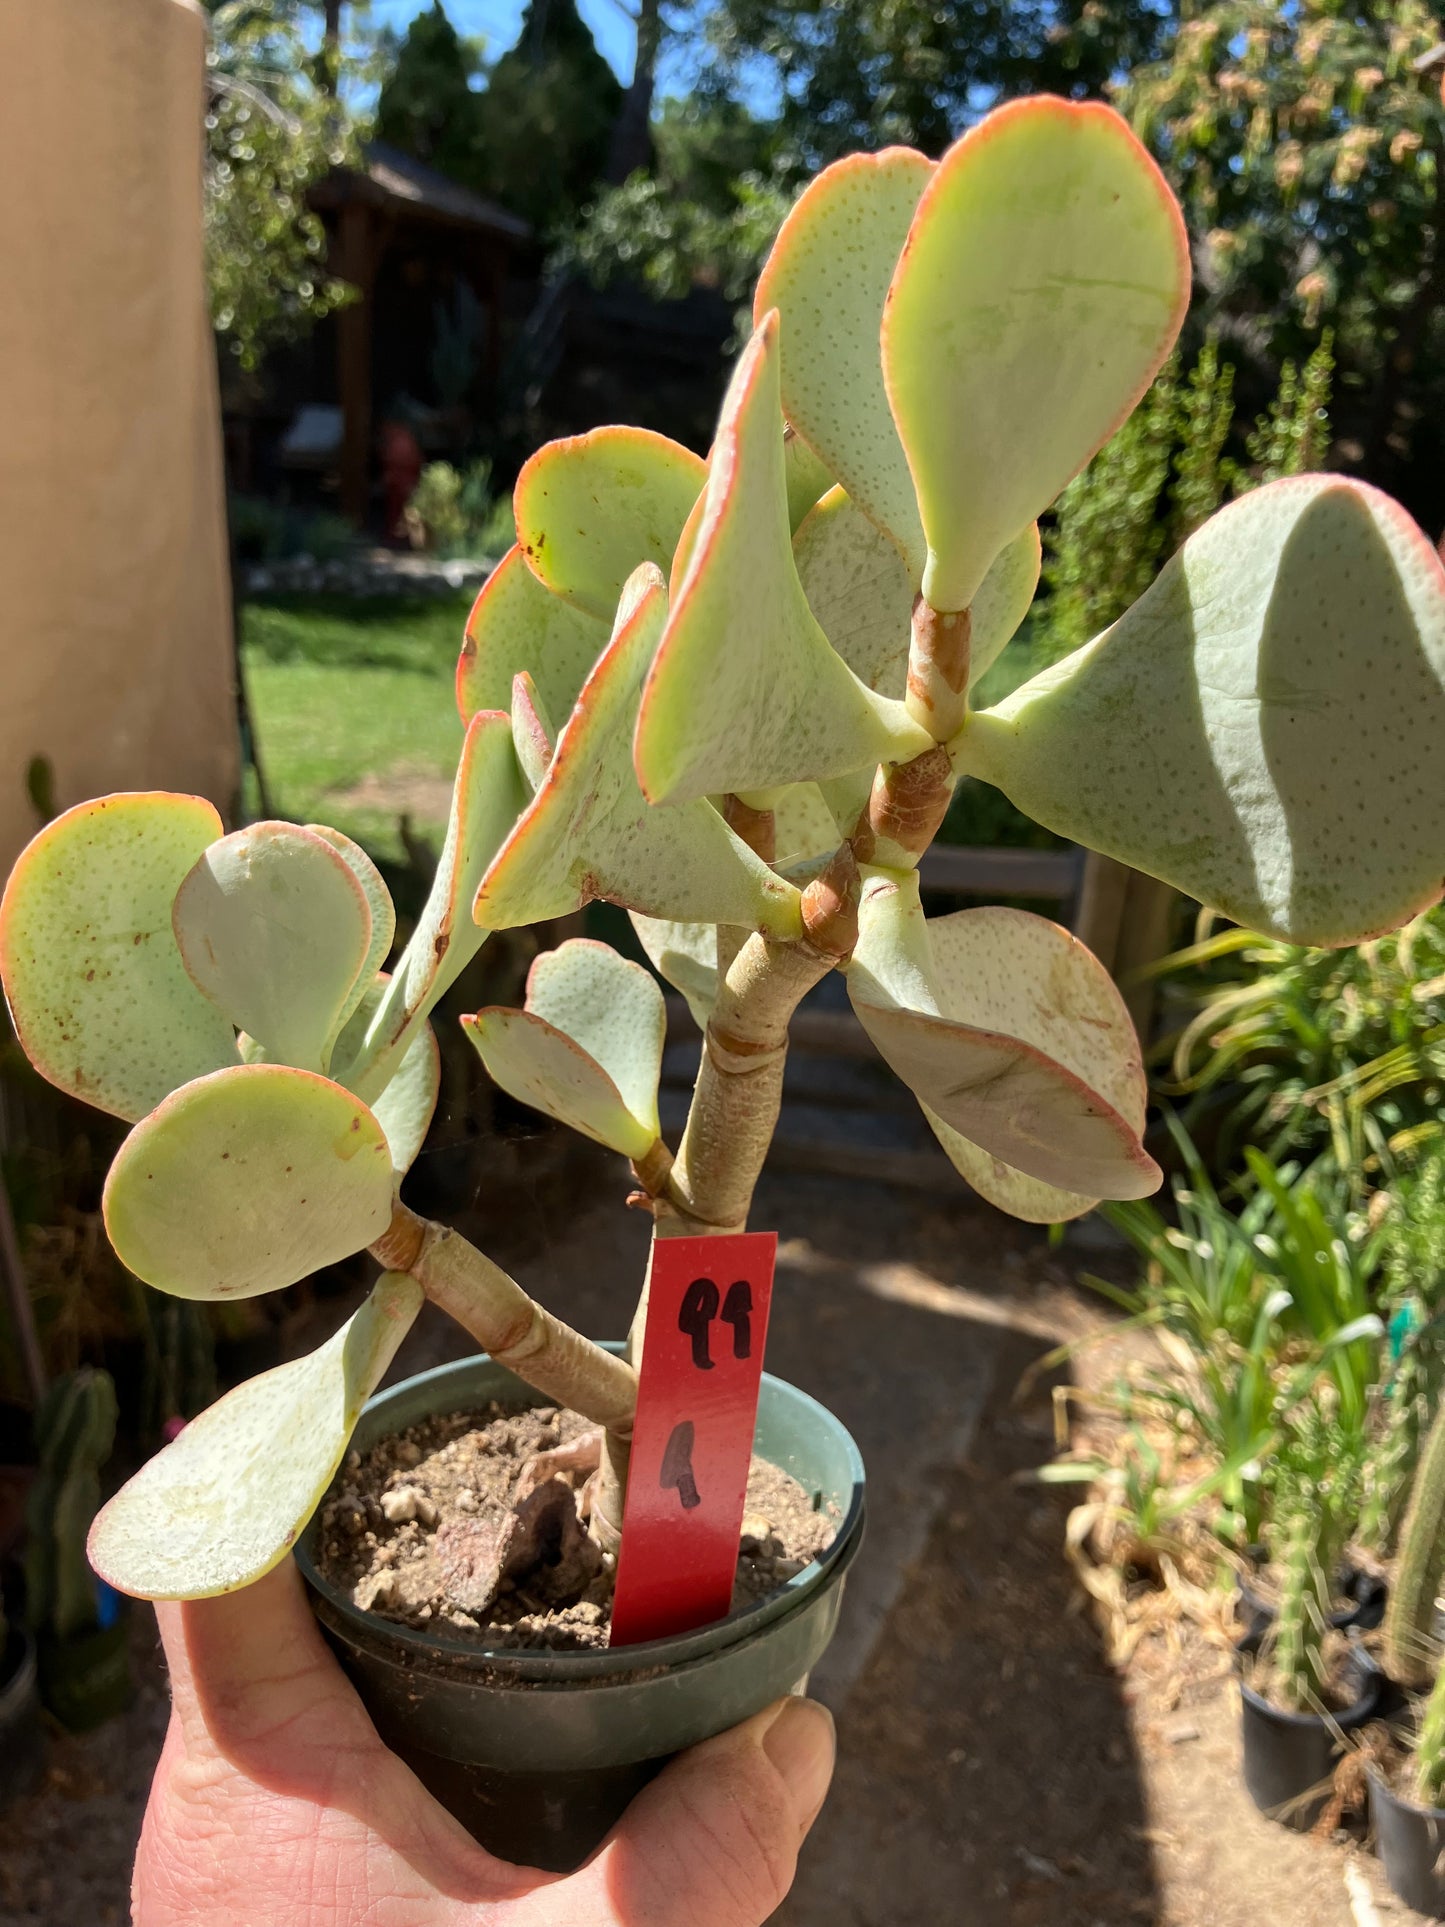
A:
x,y
807,479
1003,1186
857,586
383,916
587,1049
247,1180
274,926
226,1500
589,832
1263,728
828,277
1044,281
487,799
517,624
533,736
803,827
591,508
685,954
97,990
1007,1030
746,692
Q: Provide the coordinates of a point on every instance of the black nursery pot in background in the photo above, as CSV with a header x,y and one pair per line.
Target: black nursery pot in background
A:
x,y
1411,1841
538,1753
1289,1758
22,1741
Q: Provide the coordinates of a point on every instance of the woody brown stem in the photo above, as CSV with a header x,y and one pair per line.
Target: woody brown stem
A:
x,y
756,828
557,1361
938,660
735,1105
907,803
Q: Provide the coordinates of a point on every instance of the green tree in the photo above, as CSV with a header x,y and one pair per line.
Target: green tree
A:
x,y
273,127
863,73
706,212
429,105
1306,149
547,118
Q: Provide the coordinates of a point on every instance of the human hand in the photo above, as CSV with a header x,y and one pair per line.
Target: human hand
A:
x,y
275,1804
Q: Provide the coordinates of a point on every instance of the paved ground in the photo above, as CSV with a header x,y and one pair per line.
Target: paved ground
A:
x,y
993,1771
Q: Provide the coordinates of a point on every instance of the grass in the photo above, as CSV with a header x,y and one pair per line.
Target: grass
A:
x,y
347,689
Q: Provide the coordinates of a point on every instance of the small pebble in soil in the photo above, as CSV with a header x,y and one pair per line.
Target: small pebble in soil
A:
x,y
429,1525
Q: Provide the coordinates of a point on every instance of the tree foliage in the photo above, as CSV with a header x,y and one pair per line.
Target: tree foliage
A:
x,y
531,131
1306,149
274,126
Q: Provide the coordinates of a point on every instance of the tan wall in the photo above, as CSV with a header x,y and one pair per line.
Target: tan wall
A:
x,y
115,626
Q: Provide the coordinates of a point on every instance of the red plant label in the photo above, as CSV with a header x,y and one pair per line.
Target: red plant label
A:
x,y
697,1404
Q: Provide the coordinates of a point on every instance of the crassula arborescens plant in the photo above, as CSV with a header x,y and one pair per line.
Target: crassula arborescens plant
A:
x,y
733,697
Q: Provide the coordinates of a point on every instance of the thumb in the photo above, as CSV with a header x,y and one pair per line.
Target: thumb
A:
x,y
714,1840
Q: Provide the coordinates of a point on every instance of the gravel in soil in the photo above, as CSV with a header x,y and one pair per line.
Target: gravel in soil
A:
x,y
470,1521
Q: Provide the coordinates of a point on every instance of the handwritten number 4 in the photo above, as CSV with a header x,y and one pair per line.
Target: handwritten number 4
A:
x,y
699,1308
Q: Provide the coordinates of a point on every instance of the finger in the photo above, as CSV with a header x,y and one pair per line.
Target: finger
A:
x,y
714,1840
252,1676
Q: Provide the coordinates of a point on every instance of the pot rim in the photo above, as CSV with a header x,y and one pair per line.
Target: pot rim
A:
x,y
562,1668
1360,1709
19,1686
1380,1786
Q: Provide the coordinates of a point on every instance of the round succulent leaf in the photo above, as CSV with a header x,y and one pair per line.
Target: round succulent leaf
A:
x,y
803,827
487,799
612,1009
858,589
1000,1185
516,624
247,1180
1004,598
1006,1028
828,277
684,955
533,737
100,999
807,479
541,1066
406,1107
746,691
383,917
225,1501
1045,278
590,833
591,507
1263,727
274,926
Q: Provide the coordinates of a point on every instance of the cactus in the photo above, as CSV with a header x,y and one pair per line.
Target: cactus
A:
x,y
74,1430
1318,1486
733,697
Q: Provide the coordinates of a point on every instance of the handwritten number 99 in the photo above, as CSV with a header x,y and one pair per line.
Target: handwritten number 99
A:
x,y
700,1304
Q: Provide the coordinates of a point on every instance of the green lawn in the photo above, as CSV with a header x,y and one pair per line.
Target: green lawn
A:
x,y
353,711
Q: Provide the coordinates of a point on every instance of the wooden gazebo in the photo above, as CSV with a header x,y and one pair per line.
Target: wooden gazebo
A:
x,y
398,218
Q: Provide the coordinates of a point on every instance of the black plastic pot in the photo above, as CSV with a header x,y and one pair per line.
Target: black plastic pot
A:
x,y
538,1753
22,1740
1289,1758
1411,1842
86,1680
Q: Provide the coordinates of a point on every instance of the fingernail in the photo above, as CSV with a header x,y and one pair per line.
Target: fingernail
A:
x,y
801,1745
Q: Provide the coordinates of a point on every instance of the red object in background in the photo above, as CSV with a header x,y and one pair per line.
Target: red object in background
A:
x,y
401,466
697,1402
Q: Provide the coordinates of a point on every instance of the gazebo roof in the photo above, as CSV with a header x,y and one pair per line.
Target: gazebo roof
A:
x,y
398,183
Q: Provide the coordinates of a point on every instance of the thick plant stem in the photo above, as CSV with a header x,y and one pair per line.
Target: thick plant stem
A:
x,y
557,1361
938,661
734,1108
1430,1747
1409,1618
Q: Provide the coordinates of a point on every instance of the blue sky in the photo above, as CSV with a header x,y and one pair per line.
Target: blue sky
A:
x,y
498,22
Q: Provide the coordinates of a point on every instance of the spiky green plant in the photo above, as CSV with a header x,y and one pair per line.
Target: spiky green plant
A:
x,y
1317,1494
1411,1648
74,1430
733,697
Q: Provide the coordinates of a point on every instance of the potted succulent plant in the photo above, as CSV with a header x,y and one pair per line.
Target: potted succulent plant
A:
x,y
1407,1791
1306,1683
732,696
